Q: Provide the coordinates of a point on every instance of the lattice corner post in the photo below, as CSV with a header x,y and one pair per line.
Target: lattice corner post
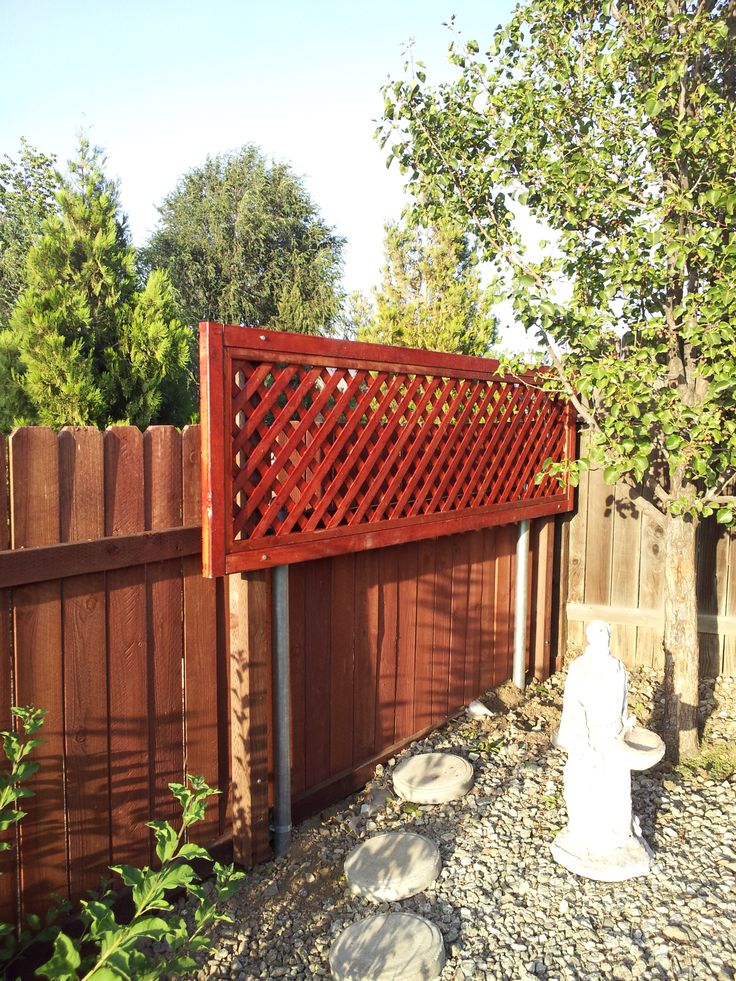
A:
x,y
213,410
249,599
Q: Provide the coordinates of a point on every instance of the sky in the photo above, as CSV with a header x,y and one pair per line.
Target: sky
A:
x,y
160,84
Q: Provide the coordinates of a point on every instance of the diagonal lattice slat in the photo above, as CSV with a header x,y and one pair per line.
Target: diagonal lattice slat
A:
x,y
324,442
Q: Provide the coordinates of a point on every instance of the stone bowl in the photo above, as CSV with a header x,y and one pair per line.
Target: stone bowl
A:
x,y
642,748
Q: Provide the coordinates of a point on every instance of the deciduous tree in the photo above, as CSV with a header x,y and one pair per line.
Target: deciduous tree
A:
x,y
614,123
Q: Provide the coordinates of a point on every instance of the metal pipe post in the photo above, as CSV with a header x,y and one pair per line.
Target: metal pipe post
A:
x,y
282,710
521,605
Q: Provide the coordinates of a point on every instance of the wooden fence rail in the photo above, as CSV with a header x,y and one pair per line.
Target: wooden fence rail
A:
x,y
107,624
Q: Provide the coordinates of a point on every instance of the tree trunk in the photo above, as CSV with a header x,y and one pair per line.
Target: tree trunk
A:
x,y
681,654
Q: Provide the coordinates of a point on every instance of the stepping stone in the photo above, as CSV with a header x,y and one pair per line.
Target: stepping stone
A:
x,y
392,866
433,778
388,946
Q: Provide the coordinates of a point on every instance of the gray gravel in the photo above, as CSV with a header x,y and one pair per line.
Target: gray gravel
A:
x,y
505,909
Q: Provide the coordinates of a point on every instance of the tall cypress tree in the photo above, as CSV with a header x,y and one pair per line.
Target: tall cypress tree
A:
x,y
91,348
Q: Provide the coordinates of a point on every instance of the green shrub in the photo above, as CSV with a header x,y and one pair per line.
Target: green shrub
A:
x,y
108,949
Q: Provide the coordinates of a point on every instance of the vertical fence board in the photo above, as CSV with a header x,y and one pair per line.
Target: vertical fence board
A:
x,y
406,679
365,688
250,673
576,565
442,624
488,607
127,647
341,662
318,597
503,608
162,461
201,686
34,494
541,598
458,620
8,859
651,567
297,619
474,631
388,571
626,552
727,663
81,499
426,573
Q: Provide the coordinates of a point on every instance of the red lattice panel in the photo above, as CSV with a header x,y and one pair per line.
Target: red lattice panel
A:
x,y
313,447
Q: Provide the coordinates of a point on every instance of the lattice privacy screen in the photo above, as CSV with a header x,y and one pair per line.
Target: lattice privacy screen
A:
x,y
313,447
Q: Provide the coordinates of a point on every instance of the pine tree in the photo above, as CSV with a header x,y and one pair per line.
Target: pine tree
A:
x,y
431,294
91,348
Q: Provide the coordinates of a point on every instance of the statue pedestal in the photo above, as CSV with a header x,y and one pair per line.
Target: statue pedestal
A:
x,y
612,865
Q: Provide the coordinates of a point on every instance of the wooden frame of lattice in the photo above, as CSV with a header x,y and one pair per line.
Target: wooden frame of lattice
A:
x,y
312,447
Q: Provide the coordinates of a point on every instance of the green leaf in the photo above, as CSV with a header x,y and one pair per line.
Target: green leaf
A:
x,y
64,961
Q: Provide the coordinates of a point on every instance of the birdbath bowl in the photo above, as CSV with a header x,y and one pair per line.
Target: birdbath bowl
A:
x,y
642,748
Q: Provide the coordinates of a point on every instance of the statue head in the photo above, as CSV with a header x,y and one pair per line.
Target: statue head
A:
x,y
598,633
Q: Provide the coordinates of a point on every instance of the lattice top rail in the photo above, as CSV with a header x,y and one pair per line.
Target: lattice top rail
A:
x,y
312,447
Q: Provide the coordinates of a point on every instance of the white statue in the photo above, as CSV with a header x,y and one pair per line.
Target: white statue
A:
x,y
602,839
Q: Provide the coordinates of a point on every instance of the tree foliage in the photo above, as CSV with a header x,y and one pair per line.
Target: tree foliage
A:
x,y
431,295
85,345
244,243
614,125
28,187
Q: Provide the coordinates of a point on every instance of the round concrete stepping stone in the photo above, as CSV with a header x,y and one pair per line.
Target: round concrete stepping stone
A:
x,y
392,866
433,778
388,946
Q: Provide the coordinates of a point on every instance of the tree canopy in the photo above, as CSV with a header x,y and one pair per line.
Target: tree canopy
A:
x,y
85,345
243,243
613,123
431,295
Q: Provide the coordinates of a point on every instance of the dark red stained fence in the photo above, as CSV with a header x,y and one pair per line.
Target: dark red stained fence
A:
x,y
108,624
315,447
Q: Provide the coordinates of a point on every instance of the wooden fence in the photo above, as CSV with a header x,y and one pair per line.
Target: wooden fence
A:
x,y
107,623
613,560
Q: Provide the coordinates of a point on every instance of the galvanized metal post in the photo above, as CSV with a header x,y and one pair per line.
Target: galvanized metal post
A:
x,y
282,711
521,604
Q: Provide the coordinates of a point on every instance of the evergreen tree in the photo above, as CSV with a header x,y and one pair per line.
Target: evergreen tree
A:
x,y
243,242
431,294
28,187
88,347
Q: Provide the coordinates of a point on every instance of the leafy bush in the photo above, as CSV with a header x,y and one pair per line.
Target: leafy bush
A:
x,y
107,949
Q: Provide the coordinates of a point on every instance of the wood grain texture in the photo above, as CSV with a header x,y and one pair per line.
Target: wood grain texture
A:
x,y
317,642
163,504
81,500
34,503
250,674
342,640
200,653
406,677
127,651
298,673
365,681
387,647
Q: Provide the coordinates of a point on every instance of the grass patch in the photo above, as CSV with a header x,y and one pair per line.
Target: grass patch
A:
x,y
717,762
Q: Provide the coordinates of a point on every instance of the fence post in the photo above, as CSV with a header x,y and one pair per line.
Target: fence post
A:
x,y
250,674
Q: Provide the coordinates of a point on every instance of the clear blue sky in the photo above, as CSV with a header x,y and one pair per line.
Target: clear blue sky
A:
x,y
162,83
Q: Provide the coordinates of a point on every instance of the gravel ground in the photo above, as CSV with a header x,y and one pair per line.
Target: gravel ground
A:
x,y
505,909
